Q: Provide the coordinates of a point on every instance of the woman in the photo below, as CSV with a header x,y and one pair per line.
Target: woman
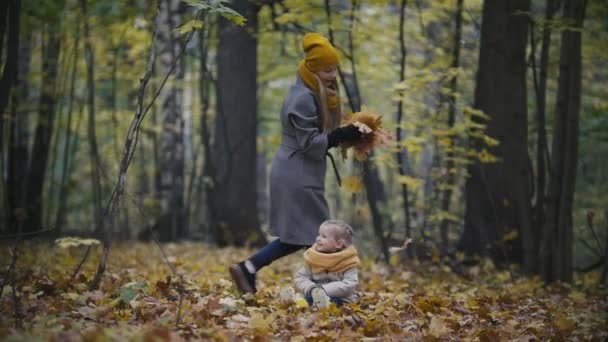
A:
x,y
310,117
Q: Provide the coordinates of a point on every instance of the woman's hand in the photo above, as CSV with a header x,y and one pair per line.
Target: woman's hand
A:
x,y
346,133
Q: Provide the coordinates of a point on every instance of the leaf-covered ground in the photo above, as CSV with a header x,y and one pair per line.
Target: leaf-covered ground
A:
x,y
139,300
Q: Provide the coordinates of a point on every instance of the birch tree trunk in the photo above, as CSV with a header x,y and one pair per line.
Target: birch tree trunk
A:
x,y
171,157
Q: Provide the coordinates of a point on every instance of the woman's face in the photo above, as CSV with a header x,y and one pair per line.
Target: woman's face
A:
x,y
328,75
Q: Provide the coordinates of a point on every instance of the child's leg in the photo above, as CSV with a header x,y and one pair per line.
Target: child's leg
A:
x,y
271,252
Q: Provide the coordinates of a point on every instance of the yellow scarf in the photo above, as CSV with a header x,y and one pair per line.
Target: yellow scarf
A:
x,y
310,80
331,262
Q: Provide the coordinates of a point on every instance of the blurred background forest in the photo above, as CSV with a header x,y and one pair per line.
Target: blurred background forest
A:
x,y
132,119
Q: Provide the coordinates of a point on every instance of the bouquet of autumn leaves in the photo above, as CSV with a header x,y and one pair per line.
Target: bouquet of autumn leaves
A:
x,y
373,134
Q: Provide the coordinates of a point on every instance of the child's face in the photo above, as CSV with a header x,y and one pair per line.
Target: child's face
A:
x,y
327,242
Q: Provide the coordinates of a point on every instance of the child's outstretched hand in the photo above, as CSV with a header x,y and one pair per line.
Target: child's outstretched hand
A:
x,y
395,250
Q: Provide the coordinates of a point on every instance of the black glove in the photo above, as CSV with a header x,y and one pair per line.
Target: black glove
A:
x,y
343,134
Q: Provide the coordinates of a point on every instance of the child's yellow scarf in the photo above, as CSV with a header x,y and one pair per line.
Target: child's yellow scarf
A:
x,y
331,262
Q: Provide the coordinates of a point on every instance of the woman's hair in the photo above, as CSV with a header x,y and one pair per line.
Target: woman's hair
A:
x,y
344,231
329,119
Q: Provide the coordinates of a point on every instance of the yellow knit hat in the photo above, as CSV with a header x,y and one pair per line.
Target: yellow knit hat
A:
x,y
320,53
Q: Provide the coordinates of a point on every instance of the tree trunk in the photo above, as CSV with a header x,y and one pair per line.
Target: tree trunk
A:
x,y
91,131
18,139
63,187
401,155
44,128
556,247
449,165
373,185
497,194
12,9
10,12
541,132
4,6
204,188
233,197
170,224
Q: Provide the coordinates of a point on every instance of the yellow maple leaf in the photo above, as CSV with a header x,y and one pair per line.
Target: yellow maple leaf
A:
x,y
260,324
352,184
438,327
564,323
577,297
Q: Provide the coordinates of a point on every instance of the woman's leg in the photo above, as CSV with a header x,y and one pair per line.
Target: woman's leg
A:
x,y
243,273
271,252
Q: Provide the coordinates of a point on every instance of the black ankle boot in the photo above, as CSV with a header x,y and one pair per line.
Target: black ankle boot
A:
x,y
244,280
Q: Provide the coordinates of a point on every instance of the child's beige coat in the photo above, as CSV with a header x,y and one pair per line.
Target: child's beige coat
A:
x,y
341,285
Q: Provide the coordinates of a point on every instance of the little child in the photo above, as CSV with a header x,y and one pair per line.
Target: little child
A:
x,y
330,267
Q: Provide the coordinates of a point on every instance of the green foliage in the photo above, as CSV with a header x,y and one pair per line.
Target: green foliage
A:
x,y
189,26
217,7
128,292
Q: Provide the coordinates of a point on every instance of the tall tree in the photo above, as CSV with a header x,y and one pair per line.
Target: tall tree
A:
x,y
233,197
376,196
91,129
10,14
447,193
540,87
171,220
68,142
497,194
18,134
44,127
205,82
556,247
402,155
9,11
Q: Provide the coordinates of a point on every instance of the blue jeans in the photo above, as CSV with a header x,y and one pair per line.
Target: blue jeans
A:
x,y
273,251
336,300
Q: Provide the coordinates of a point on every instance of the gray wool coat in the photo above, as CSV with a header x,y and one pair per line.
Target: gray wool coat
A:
x,y
297,174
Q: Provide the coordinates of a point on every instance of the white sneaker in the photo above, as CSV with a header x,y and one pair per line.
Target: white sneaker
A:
x,y
320,300
287,295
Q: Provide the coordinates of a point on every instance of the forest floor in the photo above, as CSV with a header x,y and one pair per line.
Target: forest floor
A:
x,y
139,299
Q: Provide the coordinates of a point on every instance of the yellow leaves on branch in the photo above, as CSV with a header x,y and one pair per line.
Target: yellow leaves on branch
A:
x,y
486,157
510,236
412,183
189,26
